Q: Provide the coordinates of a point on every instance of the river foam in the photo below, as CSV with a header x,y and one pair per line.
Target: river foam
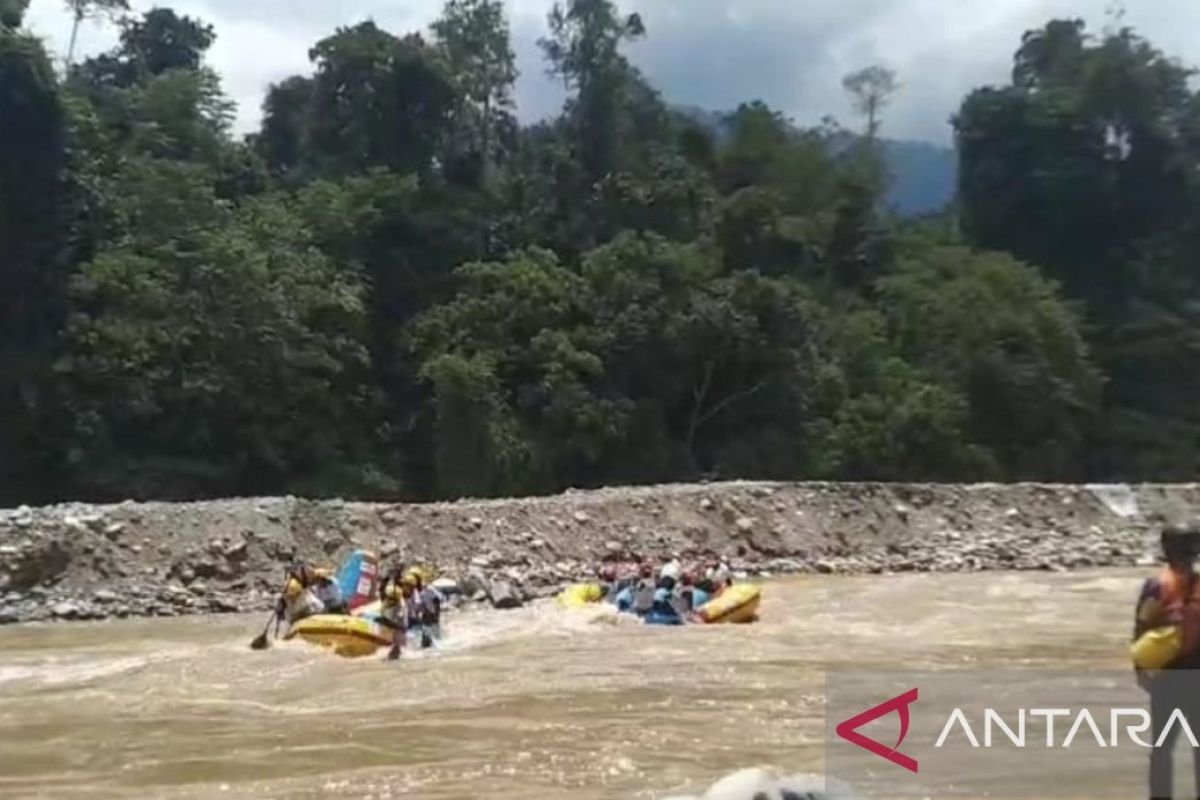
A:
x,y
759,784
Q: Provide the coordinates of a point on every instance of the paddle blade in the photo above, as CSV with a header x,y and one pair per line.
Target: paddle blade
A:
x,y
261,642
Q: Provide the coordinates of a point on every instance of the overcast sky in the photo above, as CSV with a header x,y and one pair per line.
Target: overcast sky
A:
x,y
708,53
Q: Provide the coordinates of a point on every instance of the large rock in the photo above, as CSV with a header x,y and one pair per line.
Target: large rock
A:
x,y
65,610
474,583
504,594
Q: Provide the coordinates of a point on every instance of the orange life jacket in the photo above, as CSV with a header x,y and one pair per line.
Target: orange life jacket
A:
x,y
1180,600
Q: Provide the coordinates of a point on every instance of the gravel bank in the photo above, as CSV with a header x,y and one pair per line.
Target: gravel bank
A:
x,y
75,561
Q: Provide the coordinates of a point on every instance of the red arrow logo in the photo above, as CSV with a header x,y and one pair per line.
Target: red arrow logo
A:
x,y
848,730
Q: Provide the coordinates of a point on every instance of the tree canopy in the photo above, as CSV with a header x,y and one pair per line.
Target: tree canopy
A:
x,y
394,289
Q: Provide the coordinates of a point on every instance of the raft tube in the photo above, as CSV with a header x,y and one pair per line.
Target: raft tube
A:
x,y
738,604
350,636
580,595
357,634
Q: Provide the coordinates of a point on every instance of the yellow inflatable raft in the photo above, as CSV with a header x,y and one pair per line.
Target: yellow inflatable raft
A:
x,y
737,604
580,595
351,636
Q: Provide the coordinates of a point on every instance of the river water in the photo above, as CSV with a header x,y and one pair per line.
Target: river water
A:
x,y
534,704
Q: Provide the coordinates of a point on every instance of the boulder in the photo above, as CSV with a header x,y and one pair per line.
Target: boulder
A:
x,y
65,610
236,551
222,604
504,595
447,586
474,583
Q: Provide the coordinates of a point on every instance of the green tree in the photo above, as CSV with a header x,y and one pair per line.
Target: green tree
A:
x,y
37,210
1086,166
283,142
84,9
584,50
378,101
998,333
872,89
474,37
224,354
12,12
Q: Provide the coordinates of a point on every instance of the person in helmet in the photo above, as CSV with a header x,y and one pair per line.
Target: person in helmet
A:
x,y
424,607
690,595
297,600
667,606
1172,598
643,590
717,578
627,577
326,588
395,595
607,578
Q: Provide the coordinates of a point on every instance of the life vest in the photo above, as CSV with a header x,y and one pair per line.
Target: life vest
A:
x,y
643,597
328,592
1180,600
663,605
303,604
1178,634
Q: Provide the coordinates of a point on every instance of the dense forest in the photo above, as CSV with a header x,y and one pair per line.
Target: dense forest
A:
x,y
394,289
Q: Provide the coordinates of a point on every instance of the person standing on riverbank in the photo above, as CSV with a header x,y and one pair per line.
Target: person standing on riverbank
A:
x,y
1172,599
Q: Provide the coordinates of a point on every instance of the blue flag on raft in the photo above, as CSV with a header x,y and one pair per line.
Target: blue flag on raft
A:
x,y
358,578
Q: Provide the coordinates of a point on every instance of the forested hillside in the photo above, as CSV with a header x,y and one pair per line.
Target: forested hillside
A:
x,y
394,289
921,177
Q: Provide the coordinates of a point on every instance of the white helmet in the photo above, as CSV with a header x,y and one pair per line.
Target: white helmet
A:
x,y
672,570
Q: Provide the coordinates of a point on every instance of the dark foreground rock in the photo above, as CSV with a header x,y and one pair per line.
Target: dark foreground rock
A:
x,y
81,562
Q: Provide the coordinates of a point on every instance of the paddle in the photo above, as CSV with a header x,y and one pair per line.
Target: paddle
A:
x,y
261,642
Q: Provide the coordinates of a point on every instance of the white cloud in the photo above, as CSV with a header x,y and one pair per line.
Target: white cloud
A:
x,y
711,53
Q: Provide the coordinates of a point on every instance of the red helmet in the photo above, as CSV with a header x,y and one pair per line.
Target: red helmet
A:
x,y
688,578
608,573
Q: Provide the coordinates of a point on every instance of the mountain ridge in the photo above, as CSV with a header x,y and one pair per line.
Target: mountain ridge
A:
x,y
924,174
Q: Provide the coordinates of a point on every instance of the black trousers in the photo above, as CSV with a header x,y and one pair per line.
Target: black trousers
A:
x,y
1173,690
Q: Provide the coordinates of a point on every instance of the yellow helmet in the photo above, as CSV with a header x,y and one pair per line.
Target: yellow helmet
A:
x,y
322,573
392,592
292,588
411,579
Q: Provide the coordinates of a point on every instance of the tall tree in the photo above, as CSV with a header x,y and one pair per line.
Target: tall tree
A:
x,y
85,9
283,142
474,36
36,232
378,100
871,89
584,50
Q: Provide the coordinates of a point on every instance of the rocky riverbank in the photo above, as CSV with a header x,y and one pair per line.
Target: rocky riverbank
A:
x,y
76,561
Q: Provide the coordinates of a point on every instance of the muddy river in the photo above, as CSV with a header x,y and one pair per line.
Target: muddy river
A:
x,y
534,704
